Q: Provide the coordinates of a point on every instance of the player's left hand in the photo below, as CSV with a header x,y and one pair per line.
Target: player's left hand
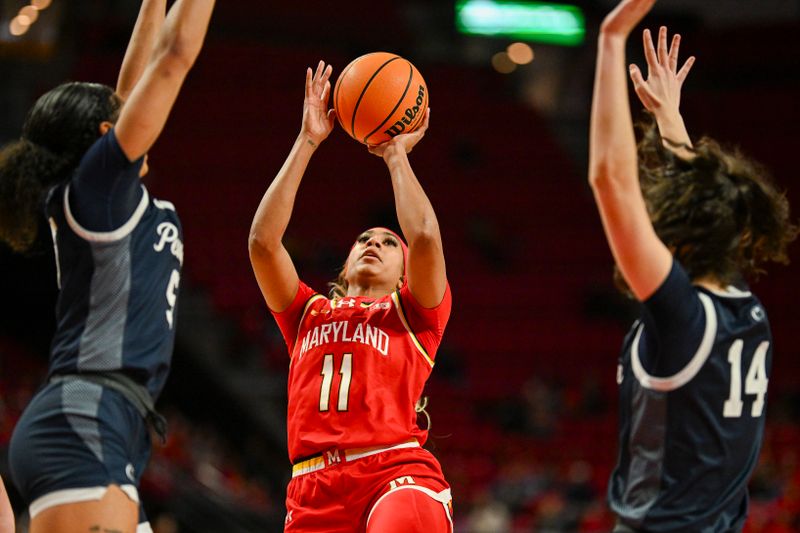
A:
x,y
405,141
661,92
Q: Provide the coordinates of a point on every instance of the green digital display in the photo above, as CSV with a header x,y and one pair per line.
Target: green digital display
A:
x,y
542,22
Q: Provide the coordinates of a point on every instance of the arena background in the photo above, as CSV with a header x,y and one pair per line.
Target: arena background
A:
x,y
523,398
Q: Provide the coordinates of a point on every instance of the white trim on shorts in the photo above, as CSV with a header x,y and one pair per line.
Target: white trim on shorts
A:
x,y
144,527
443,497
86,494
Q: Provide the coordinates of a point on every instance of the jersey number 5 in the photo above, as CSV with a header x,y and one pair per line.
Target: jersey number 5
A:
x,y
755,383
346,371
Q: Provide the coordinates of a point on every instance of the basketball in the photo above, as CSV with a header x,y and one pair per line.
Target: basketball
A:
x,y
378,96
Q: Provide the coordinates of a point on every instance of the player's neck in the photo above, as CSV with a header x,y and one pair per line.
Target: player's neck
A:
x,y
369,290
711,283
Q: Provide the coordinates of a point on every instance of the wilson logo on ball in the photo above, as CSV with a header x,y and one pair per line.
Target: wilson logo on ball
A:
x,y
410,114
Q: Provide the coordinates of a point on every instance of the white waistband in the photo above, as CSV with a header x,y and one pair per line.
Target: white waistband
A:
x,y
85,494
334,456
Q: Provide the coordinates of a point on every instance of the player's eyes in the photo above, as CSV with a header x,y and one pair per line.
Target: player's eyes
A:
x,y
363,239
390,242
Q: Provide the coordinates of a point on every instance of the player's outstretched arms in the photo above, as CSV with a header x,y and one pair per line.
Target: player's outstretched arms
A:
x,y
271,263
613,171
660,93
178,44
427,278
141,45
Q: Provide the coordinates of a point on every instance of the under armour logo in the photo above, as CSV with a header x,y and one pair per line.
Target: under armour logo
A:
x,y
288,517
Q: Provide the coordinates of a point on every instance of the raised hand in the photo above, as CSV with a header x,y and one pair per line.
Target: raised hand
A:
x,y
318,120
660,93
628,13
404,141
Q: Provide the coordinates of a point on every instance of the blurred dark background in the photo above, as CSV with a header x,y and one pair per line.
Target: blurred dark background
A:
x,y
523,397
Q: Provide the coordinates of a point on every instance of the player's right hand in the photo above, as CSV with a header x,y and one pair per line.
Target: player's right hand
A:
x,y
628,13
318,120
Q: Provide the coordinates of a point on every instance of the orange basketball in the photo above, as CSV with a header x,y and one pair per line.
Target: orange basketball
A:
x,y
378,96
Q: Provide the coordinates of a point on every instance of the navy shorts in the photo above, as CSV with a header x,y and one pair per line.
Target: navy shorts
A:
x,y
77,434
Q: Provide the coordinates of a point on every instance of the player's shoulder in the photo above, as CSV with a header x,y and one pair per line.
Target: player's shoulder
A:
x,y
736,307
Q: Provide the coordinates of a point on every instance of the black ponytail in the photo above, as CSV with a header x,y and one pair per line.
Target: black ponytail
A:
x,y
26,170
58,131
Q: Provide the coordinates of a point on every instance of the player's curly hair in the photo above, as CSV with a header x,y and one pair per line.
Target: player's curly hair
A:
x,y
338,287
58,131
720,213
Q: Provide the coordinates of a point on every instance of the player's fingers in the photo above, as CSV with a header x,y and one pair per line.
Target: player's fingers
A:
x,y
673,52
640,87
684,72
649,50
663,55
326,91
636,76
426,121
318,72
326,74
308,81
331,118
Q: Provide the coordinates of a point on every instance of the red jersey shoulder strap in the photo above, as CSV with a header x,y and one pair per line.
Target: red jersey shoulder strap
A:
x,y
398,305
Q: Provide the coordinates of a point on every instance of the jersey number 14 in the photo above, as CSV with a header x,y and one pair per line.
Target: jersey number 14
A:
x,y
755,382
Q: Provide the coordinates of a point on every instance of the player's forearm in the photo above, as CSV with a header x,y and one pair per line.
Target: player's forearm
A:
x,y
414,210
184,31
612,144
275,210
151,18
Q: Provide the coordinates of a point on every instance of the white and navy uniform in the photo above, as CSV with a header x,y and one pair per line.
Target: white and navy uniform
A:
x,y
118,254
693,379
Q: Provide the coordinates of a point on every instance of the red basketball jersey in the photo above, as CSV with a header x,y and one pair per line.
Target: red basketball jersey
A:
x,y
358,366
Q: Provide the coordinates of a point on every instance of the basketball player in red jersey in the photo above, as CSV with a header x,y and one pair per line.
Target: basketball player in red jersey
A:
x,y
359,359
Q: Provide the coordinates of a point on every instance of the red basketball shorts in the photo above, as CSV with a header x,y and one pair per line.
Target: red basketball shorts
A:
x,y
382,490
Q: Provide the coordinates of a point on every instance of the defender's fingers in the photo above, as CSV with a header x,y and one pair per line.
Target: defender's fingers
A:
x,y
684,72
649,50
673,52
640,87
663,55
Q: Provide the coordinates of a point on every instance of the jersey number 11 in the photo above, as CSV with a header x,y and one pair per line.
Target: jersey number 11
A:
x,y
346,371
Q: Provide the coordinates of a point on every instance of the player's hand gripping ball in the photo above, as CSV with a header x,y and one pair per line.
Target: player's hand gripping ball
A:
x,y
378,96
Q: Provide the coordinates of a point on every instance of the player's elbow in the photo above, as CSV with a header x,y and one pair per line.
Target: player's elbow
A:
x,y
426,234
259,245
177,53
599,175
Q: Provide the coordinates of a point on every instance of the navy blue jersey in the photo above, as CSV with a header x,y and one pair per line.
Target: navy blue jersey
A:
x,y
693,381
119,254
